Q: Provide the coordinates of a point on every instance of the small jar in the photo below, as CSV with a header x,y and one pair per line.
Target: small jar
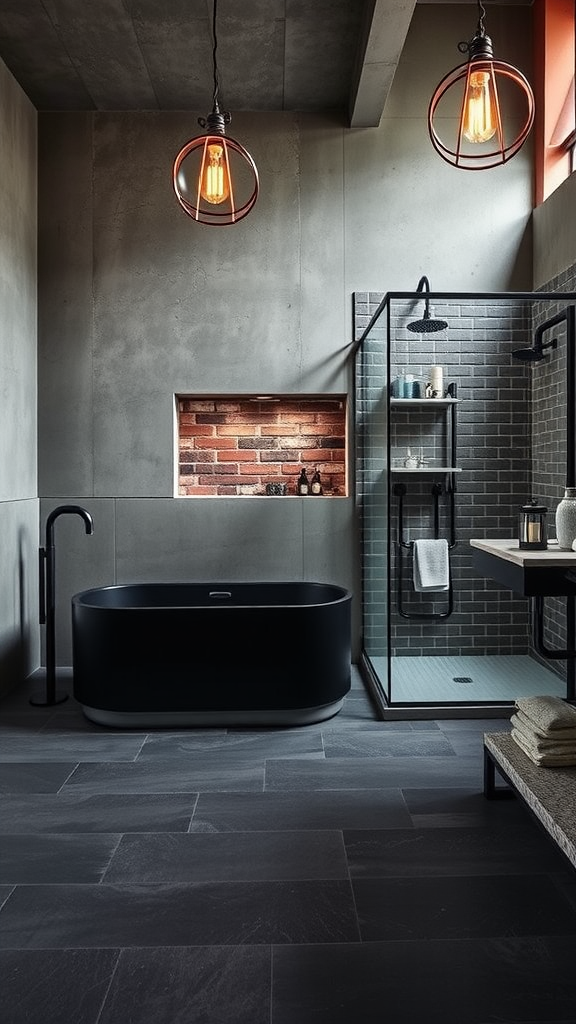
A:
x,y
532,527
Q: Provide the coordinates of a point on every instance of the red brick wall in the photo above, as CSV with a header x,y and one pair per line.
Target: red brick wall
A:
x,y
235,446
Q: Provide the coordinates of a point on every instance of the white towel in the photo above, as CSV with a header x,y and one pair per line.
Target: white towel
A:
x,y
430,566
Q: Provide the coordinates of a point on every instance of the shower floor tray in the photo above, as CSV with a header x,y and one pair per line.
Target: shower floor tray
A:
x,y
468,678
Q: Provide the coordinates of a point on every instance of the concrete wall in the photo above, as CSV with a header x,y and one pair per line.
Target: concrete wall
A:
x,y
555,234
137,302
19,631
408,212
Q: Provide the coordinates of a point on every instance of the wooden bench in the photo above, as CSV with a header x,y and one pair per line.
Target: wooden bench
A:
x,y
550,793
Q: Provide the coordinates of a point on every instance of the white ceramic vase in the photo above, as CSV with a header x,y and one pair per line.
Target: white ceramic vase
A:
x,y
566,520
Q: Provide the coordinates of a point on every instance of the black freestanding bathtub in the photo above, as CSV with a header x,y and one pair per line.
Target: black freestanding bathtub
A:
x,y
189,654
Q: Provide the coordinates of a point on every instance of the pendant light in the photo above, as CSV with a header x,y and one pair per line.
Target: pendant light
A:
x,y
215,179
478,88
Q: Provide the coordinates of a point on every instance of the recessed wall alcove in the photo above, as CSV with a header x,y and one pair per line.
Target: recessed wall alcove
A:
x,y
238,445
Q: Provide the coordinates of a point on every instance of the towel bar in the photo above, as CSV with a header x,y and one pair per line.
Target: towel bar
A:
x,y
402,545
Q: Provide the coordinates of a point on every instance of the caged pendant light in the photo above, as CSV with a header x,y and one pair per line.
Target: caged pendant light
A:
x,y
215,179
482,139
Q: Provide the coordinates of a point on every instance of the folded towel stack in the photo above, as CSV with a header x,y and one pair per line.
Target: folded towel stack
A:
x,y
545,729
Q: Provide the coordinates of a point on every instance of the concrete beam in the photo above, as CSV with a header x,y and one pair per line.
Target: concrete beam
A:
x,y
381,43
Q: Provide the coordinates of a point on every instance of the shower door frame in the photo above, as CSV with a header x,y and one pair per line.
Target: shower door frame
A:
x,y
381,691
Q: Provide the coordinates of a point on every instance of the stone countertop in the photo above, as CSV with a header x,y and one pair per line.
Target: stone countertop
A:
x,y
510,551
527,572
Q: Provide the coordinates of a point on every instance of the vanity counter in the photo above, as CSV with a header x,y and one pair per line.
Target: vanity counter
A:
x,y
530,573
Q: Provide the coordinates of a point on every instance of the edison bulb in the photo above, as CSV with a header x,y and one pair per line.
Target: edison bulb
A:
x,y
480,118
214,179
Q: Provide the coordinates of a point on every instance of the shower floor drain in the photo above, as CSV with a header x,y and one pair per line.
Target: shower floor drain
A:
x,y
462,679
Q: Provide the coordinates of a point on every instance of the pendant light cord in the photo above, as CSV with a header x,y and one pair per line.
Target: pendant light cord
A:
x,y
481,17
467,46
218,119
214,61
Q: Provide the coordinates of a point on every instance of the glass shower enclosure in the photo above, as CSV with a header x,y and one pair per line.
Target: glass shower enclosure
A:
x,y
457,427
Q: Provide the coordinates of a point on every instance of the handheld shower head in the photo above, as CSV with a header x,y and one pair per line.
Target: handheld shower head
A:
x,y
534,355
428,324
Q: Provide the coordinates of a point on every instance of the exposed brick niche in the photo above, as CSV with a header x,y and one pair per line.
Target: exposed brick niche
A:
x,y
237,445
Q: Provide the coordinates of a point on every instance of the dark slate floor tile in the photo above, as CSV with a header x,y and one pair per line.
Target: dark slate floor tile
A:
x,y
176,775
5,892
348,743
62,746
235,812
474,725
228,857
502,850
461,907
55,859
18,700
190,985
565,883
356,682
423,725
250,745
73,721
54,986
205,914
373,773
335,727
494,981
356,707
73,812
457,801
467,743
21,723
34,777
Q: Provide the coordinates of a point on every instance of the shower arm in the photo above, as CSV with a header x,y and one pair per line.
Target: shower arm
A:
x,y
424,286
567,316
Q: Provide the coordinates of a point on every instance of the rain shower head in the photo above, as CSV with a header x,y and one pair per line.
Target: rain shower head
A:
x,y
428,324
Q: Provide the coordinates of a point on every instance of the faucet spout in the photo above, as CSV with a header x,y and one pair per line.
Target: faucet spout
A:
x,y
67,510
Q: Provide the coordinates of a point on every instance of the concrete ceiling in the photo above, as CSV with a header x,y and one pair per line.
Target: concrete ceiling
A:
x,y
310,55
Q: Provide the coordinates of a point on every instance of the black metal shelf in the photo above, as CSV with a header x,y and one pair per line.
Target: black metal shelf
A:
x,y
429,402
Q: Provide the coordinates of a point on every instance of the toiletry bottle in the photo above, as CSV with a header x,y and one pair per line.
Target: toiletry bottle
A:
x,y
436,382
303,487
410,462
316,483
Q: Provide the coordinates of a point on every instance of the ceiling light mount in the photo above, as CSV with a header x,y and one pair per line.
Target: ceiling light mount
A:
x,y
215,179
216,122
485,87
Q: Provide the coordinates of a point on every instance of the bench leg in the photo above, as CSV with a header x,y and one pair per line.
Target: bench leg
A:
x,y
491,790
